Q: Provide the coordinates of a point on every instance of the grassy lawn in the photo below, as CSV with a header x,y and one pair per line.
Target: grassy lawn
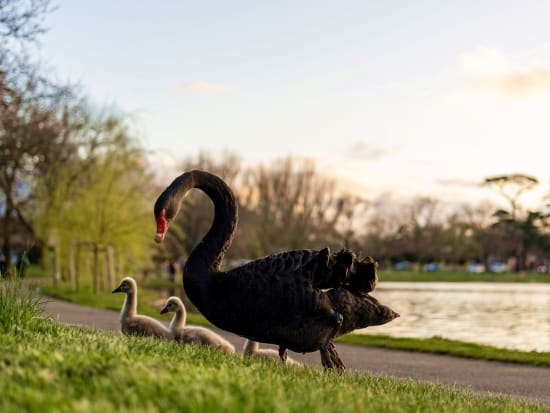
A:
x,y
455,276
49,367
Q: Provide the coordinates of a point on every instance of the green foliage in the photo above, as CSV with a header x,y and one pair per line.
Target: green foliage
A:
x,y
19,306
457,276
60,368
100,199
112,206
450,347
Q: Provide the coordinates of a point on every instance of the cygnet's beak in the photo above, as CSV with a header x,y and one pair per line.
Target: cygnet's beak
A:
x,y
116,290
164,310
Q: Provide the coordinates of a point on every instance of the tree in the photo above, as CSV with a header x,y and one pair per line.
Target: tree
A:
x,y
296,207
36,125
32,112
101,201
511,187
21,22
516,226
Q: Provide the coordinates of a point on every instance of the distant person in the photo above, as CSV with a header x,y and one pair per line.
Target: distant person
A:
x,y
172,270
3,264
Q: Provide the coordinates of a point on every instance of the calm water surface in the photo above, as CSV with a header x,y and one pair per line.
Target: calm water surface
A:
x,y
510,315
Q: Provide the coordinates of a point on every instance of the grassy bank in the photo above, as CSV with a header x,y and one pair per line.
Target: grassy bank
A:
x,y
148,305
51,367
57,368
449,347
456,276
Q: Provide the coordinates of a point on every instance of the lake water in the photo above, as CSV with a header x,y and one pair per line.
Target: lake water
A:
x,y
510,315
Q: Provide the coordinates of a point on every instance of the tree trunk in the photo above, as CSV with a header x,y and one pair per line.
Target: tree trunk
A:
x,y
57,264
110,268
77,267
95,269
72,269
6,239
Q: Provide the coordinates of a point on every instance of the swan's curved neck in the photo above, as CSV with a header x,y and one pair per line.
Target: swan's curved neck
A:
x,y
209,253
178,321
129,308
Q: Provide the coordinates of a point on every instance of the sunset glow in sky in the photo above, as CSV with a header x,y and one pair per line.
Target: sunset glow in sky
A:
x,y
424,97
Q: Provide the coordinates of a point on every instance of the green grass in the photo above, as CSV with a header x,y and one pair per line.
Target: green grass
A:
x,y
456,276
18,305
450,347
69,369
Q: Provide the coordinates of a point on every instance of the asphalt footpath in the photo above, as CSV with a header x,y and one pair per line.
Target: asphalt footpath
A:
x,y
522,381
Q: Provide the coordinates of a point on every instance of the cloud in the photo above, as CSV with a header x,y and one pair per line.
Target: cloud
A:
x,y
516,83
201,87
360,150
490,69
484,61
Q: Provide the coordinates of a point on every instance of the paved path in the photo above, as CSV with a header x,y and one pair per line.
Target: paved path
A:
x,y
528,382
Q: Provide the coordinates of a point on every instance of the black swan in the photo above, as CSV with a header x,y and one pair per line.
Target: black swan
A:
x,y
277,299
358,308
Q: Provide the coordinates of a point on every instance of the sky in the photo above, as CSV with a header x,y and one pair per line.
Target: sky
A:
x,y
423,98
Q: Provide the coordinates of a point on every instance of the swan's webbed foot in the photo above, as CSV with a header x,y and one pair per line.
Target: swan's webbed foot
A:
x,y
283,354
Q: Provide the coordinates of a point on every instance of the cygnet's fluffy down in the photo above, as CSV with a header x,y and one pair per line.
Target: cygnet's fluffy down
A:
x,y
132,323
192,334
252,348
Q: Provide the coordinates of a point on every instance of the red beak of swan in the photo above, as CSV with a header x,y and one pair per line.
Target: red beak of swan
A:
x,y
162,226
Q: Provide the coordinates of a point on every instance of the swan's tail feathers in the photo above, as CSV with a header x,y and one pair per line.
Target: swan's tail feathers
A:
x,y
320,269
364,276
331,270
342,265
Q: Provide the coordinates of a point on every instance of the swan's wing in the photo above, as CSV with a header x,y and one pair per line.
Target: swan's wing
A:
x,y
288,261
322,268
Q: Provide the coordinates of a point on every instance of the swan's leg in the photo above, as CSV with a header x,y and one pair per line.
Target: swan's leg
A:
x,y
335,358
325,358
283,354
329,356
